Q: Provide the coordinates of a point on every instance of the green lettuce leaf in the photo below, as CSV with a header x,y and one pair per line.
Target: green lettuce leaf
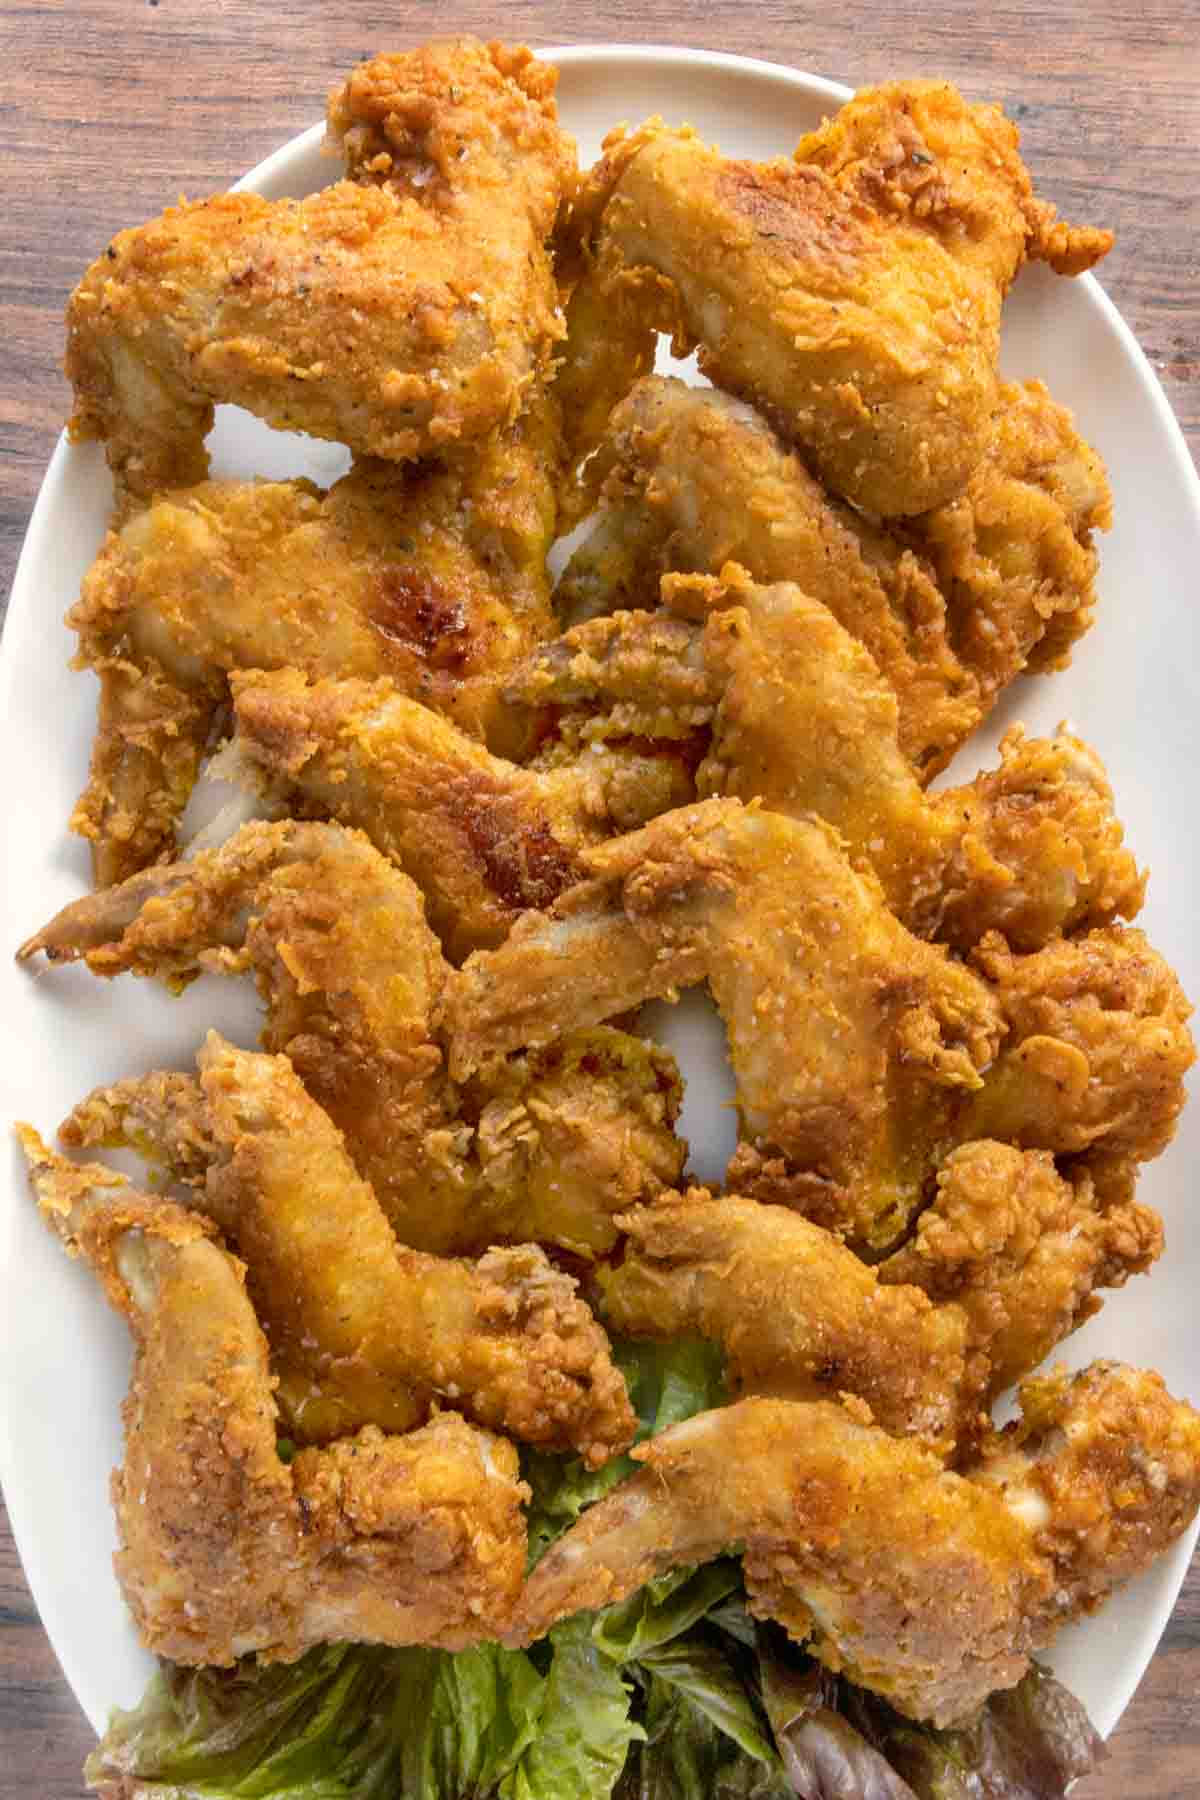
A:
x,y
665,1608
585,1728
696,1666
686,1757
353,1722
667,1384
344,1720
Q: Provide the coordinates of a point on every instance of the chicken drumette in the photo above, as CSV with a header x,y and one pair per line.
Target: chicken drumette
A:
x,y
852,292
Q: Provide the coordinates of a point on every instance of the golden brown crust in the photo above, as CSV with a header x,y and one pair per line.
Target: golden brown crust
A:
x,y
929,1587
224,1550
1022,1250
1096,1048
242,299
367,1331
484,839
797,1314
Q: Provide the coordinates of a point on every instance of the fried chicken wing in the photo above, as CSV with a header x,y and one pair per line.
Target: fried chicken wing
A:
x,y
550,1148
928,1587
366,1331
850,1040
694,479
1021,1249
798,1316
852,292
795,714
436,581
485,840
405,312
951,607
224,1550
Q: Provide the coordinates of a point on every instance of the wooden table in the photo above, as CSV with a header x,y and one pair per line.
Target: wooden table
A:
x,y
111,107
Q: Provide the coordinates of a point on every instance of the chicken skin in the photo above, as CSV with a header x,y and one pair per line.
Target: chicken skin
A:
x,y
483,839
1022,1249
852,1042
364,1330
405,312
435,581
951,606
852,292
550,1148
862,1055
798,1315
1096,1047
223,1549
929,1587
794,713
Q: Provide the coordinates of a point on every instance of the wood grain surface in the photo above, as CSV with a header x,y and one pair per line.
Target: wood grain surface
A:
x,y
110,108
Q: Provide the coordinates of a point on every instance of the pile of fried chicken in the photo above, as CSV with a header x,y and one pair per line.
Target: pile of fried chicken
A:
x,y
481,818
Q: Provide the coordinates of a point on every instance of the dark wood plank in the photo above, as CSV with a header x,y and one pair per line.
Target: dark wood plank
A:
x,y
110,108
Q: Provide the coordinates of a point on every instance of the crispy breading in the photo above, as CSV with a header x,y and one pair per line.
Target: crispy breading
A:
x,y
694,479
550,1148
852,292
483,839
932,1588
951,606
1013,555
1022,1249
406,312
1096,1047
794,713
224,1550
849,1038
435,580
365,1330
798,1316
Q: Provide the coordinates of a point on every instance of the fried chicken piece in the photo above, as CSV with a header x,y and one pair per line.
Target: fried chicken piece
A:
x,y
224,1550
798,1316
1013,555
406,312
549,1149
694,479
853,292
365,1331
930,1588
435,580
796,715
1021,1249
483,839
1037,849
951,608
1096,1047
850,1040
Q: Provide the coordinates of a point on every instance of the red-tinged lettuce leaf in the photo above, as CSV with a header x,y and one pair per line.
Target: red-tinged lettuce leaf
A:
x,y
840,1742
824,1756
1029,1742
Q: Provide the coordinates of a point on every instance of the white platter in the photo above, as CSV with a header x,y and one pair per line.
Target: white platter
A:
x,y
1133,690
